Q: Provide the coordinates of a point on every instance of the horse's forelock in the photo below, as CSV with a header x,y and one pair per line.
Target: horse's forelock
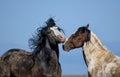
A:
x,y
50,22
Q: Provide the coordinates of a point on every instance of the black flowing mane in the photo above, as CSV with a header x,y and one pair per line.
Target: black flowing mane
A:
x,y
38,41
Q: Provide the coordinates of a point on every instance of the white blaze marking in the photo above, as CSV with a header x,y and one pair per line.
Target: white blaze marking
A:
x,y
56,31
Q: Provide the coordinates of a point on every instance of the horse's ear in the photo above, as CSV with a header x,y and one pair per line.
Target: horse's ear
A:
x,y
50,22
87,26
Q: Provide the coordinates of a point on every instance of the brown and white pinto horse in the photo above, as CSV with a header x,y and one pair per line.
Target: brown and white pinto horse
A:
x,y
99,60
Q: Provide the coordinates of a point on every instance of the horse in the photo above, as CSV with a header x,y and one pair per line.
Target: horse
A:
x,y
43,61
3,71
100,61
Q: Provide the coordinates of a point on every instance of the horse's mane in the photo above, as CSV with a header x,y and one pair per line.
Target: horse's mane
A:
x,y
37,42
96,40
38,38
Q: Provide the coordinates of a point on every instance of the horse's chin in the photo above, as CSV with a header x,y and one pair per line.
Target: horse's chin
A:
x,y
62,41
66,48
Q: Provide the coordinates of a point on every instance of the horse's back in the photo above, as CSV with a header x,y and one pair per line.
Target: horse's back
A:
x,y
15,52
19,61
4,69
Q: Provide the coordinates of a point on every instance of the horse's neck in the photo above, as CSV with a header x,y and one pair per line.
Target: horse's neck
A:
x,y
93,49
53,46
49,46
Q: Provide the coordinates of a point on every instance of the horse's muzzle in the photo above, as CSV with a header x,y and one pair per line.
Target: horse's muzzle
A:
x,y
62,38
66,47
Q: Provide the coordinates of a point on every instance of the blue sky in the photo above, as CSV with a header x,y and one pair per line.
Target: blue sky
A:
x,y
19,20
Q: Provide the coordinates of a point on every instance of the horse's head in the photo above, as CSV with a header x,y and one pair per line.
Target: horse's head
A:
x,y
77,39
53,31
50,32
